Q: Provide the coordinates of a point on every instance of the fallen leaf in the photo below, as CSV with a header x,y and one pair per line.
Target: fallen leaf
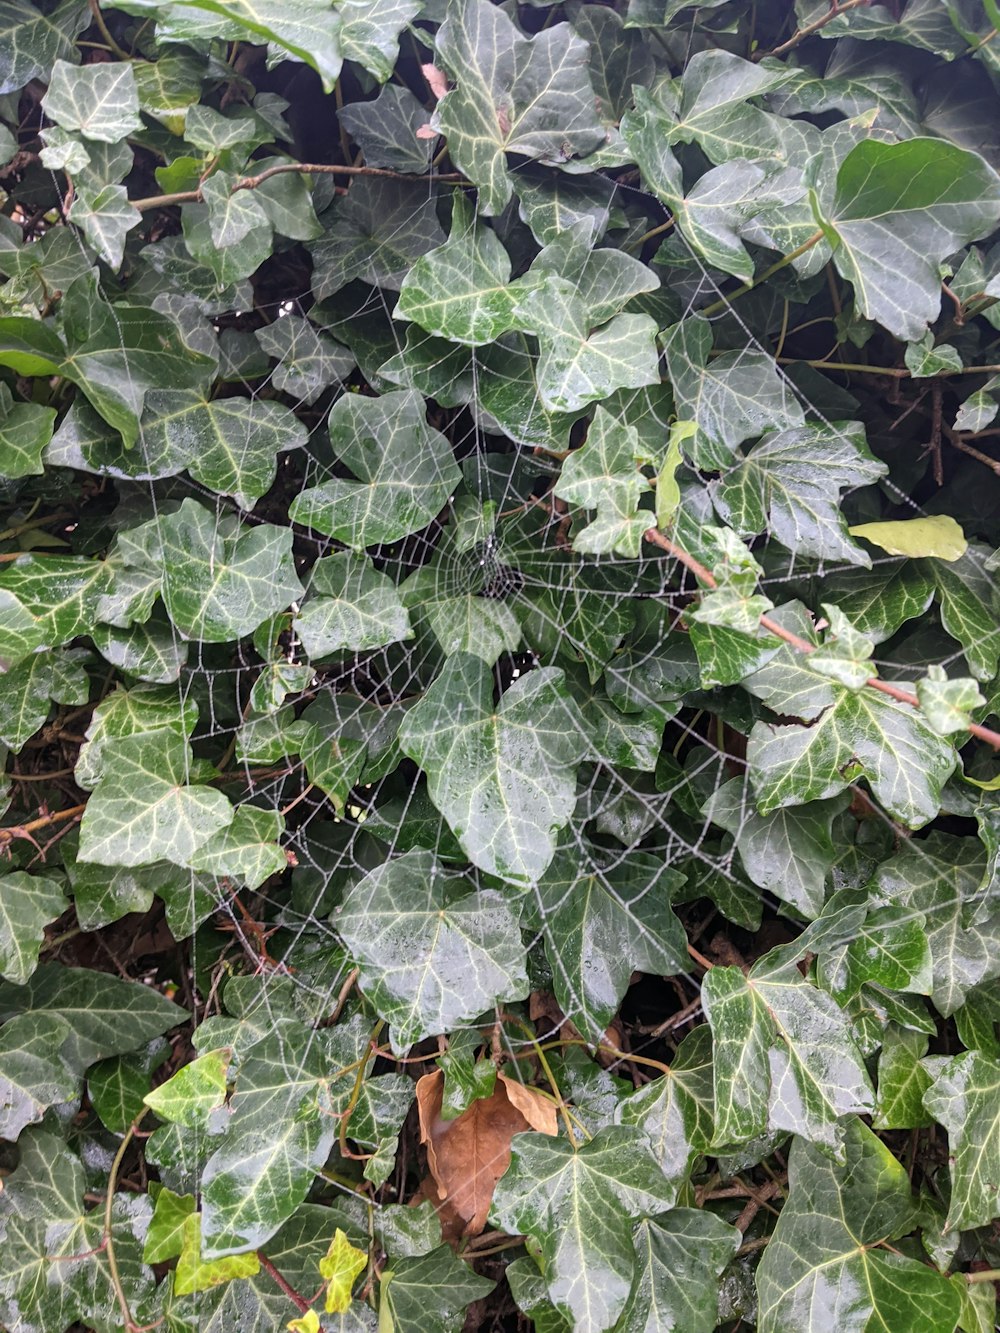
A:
x,y
468,1155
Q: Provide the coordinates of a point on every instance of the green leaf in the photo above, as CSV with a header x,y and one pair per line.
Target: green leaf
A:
x,y
46,600
784,1058
851,734
576,363
25,430
105,217
789,483
899,210
144,810
350,605
902,1082
969,604
825,1240
939,536
577,1206
100,100
503,776
461,291
194,1092
221,579
514,94
789,853
34,1074
117,1086
309,361
601,923
27,904
432,953
732,397
680,1258
375,234
604,475
677,1112
32,41
405,468
947,704
281,1127
429,1292
963,1098
386,130
105,1015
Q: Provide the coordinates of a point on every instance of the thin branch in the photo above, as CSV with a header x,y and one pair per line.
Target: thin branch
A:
x,y
102,28
116,1282
656,538
300,1302
303,168
836,9
718,306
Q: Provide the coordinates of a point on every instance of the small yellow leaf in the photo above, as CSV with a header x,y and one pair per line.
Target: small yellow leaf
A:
x,y
193,1273
309,1323
340,1266
938,536
992,784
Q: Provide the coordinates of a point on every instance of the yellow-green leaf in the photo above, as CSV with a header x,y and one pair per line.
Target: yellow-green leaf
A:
x,y
938,536
340,1266
668,493
193,1273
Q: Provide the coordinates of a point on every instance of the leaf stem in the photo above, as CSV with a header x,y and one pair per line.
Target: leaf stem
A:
x,y
717,306
837,7
987,1275
102,27
128,1323
304,168
656,538
300,1302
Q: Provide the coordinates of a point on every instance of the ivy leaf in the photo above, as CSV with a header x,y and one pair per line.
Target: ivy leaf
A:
x,y
432,954
680,1257
529,96
461,291
577,366
100,100
600,924
773,1030
104,1015
220,579
194,1273
774,487
374,234
939,535
406,472
165,1237
863,734
948,704
969,604
732,397
308,361
25,430
899,210
143,809
340,1266
677,1112
385,130
939,878
105,217
350,606
963,1098
230,445
27,904
788,853
34,1074
32,41
190,1095
503,776
577,1207
826,1241
429,1292
604,475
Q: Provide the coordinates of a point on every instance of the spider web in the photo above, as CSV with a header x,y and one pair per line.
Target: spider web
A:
x,y
619,810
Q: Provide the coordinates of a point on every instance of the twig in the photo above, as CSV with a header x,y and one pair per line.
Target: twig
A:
x,y
717,306
359,1080
116,1282
836,9
300,1302
26,830
654,536
956,439
305,169
105,32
